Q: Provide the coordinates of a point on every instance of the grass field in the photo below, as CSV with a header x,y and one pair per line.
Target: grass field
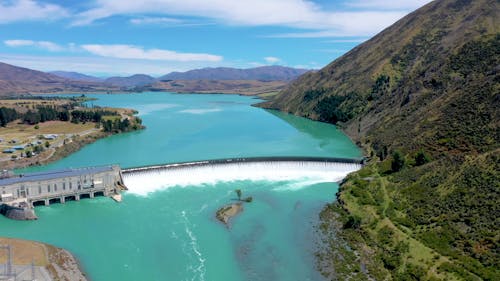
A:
x,y
24,134
24,252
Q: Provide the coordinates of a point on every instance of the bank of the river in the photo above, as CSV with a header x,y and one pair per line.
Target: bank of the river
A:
x,y
49,261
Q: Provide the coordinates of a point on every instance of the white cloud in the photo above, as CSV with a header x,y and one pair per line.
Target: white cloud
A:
x,y
50,46
101,66
117,51
135,52
18,43
300,14
348,24
272,59
167,22
29,10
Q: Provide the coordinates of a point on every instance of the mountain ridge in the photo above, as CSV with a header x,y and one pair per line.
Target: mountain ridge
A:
x,y
76,76
268,73
421,98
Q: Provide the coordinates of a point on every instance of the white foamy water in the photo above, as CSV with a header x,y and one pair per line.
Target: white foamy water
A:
x,y
198,270
150,108
300,173
200,110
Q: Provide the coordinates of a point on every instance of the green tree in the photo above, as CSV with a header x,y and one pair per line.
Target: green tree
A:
x,y
421,158
398,161
353,221
238,193
38,148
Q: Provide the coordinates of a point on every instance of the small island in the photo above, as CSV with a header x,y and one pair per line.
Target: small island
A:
x,y
227,212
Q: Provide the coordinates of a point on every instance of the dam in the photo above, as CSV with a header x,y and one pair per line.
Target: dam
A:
x,y
19,194
143,180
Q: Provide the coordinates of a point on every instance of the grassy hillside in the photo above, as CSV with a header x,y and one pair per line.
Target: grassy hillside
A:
x,y
422,98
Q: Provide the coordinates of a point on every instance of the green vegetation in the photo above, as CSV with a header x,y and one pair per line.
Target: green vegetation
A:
x,y
7,115
422,100
246,199
74,111
398,161
438,220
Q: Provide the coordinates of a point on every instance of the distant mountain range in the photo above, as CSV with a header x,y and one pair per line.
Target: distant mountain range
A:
x,y
264,73
137,80
267,73
15,80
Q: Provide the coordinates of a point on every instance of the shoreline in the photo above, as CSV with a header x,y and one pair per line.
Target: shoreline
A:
x,y
49,261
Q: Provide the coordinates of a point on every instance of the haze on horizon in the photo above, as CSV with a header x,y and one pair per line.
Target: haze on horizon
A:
x,y
155,37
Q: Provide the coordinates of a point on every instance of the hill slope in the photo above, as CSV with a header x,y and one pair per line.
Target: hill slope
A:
x,y
19,80
268,73
422,98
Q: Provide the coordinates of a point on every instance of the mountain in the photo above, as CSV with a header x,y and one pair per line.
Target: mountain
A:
x,y
137,80
242,87
422,99
19,80
269,73
76,76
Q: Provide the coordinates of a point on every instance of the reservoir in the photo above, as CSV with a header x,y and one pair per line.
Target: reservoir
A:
x,y
167,230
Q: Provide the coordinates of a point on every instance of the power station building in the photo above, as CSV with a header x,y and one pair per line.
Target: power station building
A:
x,y
43,188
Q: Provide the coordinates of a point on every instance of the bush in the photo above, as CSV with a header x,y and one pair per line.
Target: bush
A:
x,y
421,158
353,221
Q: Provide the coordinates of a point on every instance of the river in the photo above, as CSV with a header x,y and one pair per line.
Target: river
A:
x,y
170,232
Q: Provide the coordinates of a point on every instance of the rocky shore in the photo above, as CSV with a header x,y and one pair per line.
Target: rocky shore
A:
x,y
17,213
59,264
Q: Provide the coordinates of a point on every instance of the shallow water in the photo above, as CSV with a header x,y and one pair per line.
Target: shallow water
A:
x,y
169,232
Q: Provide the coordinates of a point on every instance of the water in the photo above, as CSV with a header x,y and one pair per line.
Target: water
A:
x,y
302,173
201,127
166,230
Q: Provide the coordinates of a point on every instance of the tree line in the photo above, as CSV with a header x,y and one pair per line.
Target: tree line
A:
x,y
47,113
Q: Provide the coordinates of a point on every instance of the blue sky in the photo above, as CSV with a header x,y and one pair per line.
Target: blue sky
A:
x,y
123,37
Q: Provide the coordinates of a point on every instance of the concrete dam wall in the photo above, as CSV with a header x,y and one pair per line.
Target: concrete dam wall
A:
x,y
143,180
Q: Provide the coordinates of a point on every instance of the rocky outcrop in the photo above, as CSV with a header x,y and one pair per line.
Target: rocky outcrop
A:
x,y
227,212
17,213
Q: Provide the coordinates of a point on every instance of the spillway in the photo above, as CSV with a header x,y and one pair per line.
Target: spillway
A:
x,y
144,180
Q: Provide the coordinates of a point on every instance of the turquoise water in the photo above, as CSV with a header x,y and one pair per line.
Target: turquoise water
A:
x,y
172,233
